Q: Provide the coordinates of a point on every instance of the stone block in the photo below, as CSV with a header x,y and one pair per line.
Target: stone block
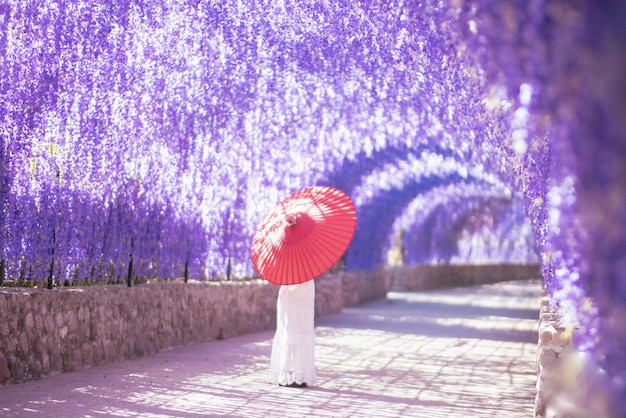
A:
x,y
87,354
56,360
11,321
29,322
10,345
547,357
4,329
58,319
23,342
109,351
562,338
98,352
545,334
35,367
45,362
49,325
5,372
71,321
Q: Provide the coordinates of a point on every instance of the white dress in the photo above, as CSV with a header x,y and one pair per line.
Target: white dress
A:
x,y
293,349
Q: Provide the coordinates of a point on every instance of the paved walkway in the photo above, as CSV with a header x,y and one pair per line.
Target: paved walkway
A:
x,y
464,352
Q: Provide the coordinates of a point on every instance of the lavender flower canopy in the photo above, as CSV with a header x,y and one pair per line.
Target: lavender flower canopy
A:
x,y
166,129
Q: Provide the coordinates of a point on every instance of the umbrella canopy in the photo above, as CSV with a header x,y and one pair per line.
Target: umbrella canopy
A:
x,y
304,235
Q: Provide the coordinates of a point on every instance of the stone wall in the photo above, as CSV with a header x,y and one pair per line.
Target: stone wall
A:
x,y
358,287
426,277
45,332
328,298
555,342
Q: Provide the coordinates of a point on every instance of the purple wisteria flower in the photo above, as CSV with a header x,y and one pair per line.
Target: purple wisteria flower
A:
x,y
159,133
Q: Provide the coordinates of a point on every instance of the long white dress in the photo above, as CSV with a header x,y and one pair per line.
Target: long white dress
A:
x,y
293,349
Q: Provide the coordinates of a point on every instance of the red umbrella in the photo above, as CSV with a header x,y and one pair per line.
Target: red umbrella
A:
x,y
304,235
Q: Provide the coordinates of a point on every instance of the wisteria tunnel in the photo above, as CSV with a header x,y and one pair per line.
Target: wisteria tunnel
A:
x,y
468,131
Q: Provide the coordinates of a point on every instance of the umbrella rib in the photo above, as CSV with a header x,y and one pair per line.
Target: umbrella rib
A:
x,y
281,274
325,254
266,257
300,265
307,258
331,239
293,265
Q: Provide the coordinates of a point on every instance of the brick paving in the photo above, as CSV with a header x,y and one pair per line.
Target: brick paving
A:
x,y
462,352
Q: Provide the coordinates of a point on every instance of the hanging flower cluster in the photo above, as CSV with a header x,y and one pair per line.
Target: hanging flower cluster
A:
x,y
161,133
561,63
153,137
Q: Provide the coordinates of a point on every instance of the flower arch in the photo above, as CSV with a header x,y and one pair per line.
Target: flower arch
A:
x,y
162,131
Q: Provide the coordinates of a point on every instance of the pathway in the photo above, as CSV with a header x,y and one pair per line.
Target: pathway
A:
x,y
462,352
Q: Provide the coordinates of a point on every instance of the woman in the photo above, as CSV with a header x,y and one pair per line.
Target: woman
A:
x,y
293,350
